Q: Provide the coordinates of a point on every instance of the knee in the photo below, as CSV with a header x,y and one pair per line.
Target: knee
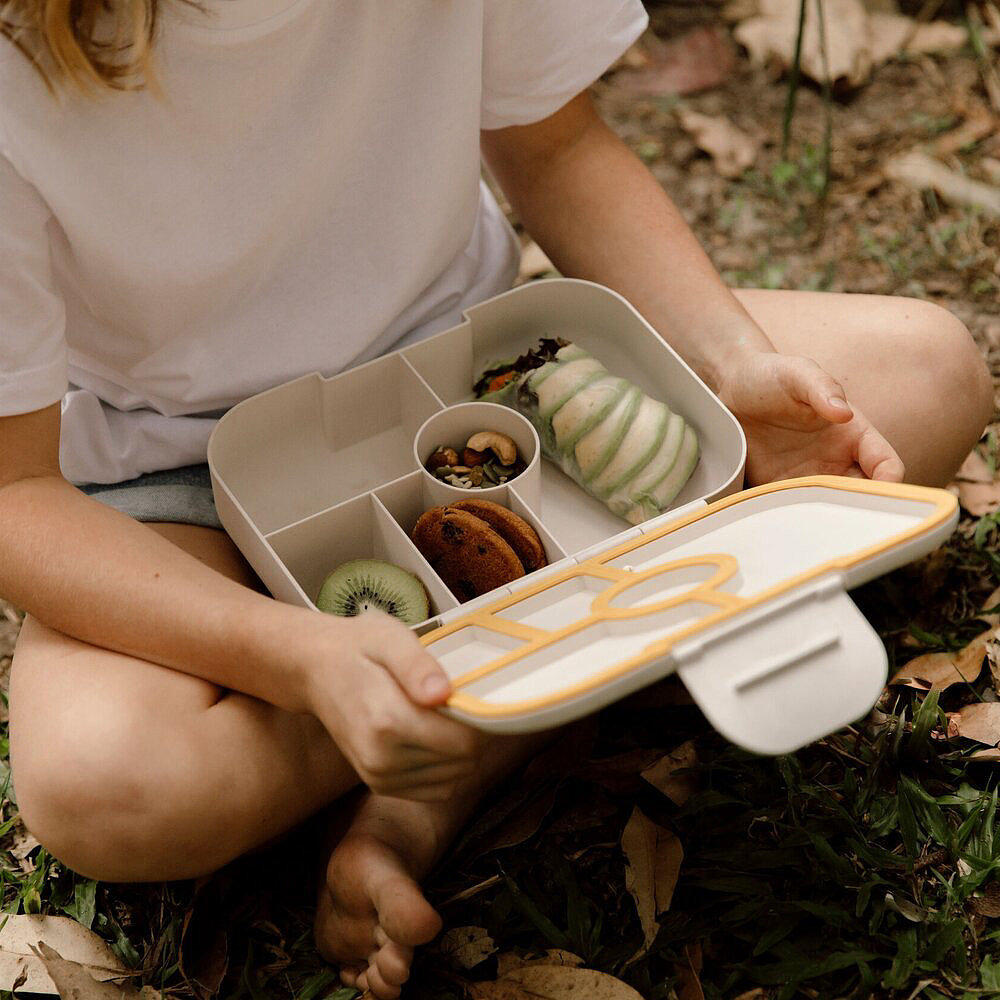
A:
x,y
88,794
951,368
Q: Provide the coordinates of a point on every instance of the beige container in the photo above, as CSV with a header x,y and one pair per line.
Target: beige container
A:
x,y
455,425
324,469
744,598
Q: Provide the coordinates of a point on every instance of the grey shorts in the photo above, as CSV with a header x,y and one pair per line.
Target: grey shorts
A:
x,y
181,495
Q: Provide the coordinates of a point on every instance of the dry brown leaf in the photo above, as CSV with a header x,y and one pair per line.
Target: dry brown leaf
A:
x,y
938,671
980,499
993,660
619,774
561,982
72,940
466,947
695,61
757,993
689,974
988,904
992,601
974,469
992,754
663,774
921,171
888,34
731,149
499,990
73,982
22,844
772,36
654,857
980,721
971,130
509,960
936,36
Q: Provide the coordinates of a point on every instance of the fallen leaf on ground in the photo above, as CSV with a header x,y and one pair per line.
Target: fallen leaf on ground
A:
x,y
974,468
979,499
979,721
772,36
757,993
560,982
466,947
940,670
971,130
857,39
663,774
22,844
731,149
654,856
918,170
509,960
988,904
689,974
73,982
619,774
70,939
936,36
695,61
203,952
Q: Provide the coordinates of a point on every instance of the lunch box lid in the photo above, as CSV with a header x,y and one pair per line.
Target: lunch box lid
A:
x,y
745,599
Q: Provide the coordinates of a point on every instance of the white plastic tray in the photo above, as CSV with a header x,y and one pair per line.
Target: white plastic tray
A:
x,y
745,599
321,470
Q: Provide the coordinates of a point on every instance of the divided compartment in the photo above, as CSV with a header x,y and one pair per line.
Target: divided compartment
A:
x,y
607,326
408,497
309,444
359,529
454,426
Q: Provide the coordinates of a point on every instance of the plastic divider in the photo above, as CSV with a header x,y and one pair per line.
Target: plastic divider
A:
x,y
445,363
316,442
405,499
360,528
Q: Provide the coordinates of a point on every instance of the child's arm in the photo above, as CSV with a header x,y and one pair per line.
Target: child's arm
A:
x,y
598,213
95,574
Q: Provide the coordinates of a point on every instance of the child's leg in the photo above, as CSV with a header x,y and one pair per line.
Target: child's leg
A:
x,y
910,366
129,771
370,911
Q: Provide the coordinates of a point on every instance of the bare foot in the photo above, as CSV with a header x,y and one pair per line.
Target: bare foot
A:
x,y
371,912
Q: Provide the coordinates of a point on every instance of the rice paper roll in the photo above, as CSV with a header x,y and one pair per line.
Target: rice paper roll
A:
x,y
621,446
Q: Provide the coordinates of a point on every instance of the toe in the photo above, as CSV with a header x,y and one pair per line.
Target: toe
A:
x,y
406,917
378,986
393,963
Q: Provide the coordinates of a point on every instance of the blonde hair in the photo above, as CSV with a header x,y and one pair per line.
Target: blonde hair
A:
x,y
93,45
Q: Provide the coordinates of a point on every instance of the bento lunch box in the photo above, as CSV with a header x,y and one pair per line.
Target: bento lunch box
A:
x,y
743,594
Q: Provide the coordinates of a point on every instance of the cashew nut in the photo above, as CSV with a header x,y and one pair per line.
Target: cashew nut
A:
x,y
503,447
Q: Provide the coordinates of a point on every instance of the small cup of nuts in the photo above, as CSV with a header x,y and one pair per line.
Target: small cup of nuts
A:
x,y
477,449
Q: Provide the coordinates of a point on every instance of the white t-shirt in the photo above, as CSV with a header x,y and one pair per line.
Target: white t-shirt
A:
x,y
305,197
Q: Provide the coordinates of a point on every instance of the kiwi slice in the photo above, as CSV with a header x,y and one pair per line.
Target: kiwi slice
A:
x,y
363,584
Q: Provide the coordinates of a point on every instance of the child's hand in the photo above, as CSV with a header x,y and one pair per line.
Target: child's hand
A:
x,y
798,422
375,689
